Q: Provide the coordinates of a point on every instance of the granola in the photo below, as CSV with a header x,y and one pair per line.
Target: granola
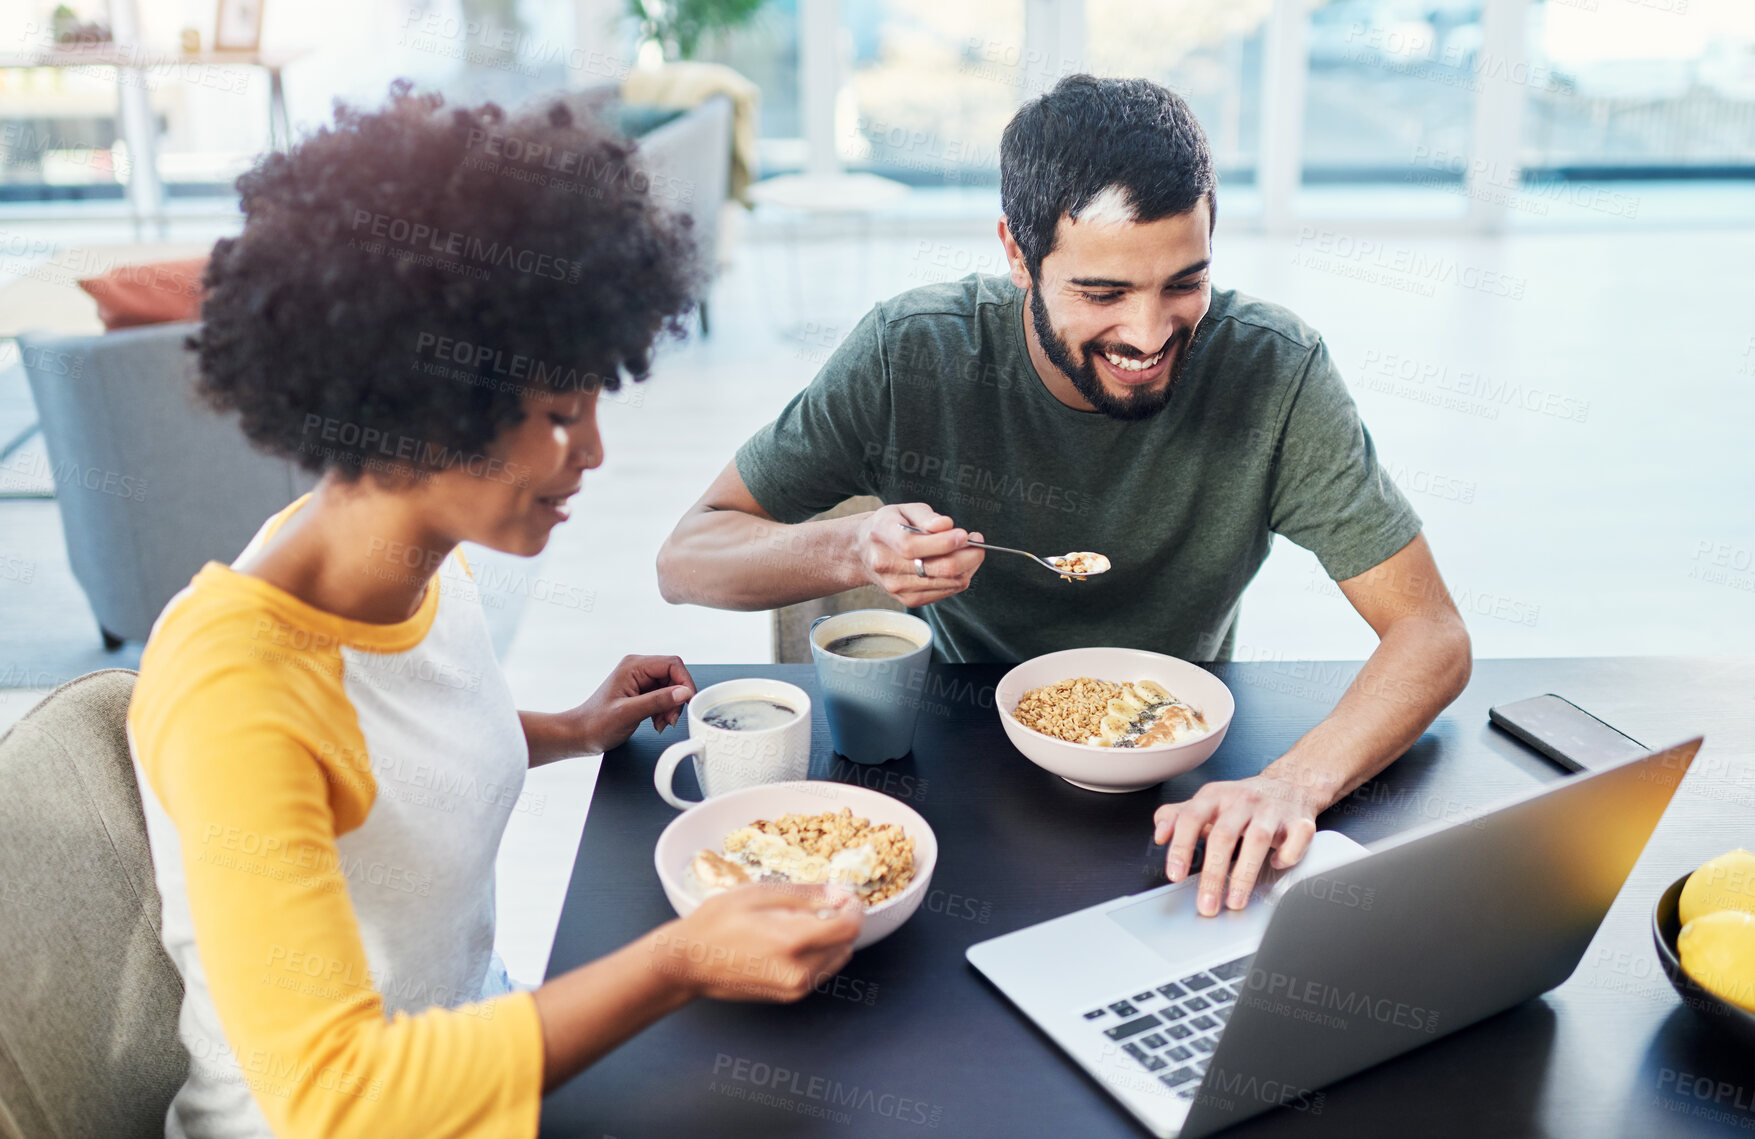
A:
x,y
1070,710
1080,562
877,862
1089,711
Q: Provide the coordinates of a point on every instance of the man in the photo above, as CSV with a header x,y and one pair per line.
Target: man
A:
x,y
1105,398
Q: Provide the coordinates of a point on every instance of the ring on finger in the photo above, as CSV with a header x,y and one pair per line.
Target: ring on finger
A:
x,y
919,568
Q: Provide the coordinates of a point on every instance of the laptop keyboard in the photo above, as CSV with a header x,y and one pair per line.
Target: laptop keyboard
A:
x,y
1171,1030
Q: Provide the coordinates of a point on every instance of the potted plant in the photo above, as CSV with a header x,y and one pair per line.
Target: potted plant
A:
x,y
678,26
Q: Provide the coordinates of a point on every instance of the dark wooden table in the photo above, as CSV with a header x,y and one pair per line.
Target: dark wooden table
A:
x,y
911,1041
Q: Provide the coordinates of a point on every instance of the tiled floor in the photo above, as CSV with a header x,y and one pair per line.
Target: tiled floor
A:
x,y
1570,411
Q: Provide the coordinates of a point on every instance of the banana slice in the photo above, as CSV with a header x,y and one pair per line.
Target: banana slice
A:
x,y
1184,718
1125,705
1143,713
1113,727
717,872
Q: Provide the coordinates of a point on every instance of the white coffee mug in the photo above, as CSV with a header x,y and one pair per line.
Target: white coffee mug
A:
x,y
728,759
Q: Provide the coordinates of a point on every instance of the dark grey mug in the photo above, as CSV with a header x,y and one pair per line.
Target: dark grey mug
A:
x,y
872,703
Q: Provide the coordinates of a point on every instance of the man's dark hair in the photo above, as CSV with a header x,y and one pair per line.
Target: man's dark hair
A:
x,y
1086,135
405,276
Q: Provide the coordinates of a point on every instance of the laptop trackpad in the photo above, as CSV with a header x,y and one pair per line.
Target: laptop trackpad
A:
x,y
1164,919
1166,923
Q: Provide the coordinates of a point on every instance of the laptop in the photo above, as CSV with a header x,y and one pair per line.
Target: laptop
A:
x,y
1351,958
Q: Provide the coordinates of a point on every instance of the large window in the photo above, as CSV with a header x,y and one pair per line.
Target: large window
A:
x,y
1207,51
766,50
1659,87
926,86
1397,94
58,135
58,131
932,86
1391,83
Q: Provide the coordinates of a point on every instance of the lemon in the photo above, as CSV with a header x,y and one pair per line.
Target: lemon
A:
x,y
1725,883
1718,951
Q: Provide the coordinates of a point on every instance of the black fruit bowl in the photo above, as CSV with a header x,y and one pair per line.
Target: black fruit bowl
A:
x,y
1665,927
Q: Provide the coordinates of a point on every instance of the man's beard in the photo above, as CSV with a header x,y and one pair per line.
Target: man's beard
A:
x,y
1143,403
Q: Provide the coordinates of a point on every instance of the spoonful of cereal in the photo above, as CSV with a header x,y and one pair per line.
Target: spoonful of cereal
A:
x,y
1078,564
1081,562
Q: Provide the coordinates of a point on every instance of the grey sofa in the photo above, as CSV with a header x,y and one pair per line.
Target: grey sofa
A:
x,y
88,1013
151,484
689,159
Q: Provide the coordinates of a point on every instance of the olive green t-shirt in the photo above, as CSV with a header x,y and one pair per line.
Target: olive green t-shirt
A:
x,y
933,398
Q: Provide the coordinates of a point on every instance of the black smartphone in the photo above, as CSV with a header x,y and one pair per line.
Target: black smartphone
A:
x,y
1564,732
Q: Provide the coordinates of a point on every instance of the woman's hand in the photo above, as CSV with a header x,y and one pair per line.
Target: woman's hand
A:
x,y
754,943
759,942
1248,817
639,688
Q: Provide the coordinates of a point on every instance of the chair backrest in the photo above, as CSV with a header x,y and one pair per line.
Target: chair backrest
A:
x,y
88,1008
150,482
791,624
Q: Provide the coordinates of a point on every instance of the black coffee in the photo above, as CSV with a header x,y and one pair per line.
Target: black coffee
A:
x,y
871,646
748,715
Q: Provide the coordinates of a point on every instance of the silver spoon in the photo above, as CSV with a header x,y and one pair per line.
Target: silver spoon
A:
x,y
1044,562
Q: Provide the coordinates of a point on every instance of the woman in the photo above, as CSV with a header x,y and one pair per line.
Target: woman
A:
x,y
422,307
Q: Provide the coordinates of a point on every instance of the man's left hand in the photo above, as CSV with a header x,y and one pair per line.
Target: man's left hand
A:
x,y
1246,818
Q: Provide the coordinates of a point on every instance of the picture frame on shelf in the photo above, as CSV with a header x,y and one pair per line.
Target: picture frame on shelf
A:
x,y
238,25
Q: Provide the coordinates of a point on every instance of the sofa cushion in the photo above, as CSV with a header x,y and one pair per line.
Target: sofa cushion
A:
x,y
161,292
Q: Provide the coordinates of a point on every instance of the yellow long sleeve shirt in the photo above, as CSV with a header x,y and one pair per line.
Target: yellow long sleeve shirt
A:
x,y
324,800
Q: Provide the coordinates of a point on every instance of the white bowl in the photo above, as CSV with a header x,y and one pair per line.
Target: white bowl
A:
x,y
1116,769
704,828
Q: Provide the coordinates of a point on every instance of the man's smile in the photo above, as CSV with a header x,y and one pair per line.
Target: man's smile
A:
x,y
1136,371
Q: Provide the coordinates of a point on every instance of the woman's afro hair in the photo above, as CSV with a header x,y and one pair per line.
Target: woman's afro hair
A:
x,y
405,276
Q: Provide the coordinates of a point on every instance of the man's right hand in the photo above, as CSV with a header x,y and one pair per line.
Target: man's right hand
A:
x,y
730,553
888,552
